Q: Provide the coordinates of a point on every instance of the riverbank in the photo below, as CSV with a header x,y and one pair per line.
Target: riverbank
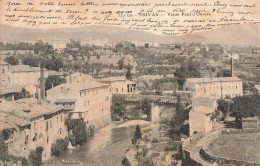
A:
x,y
108,143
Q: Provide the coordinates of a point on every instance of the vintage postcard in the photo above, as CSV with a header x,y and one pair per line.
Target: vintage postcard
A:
x,y
129,83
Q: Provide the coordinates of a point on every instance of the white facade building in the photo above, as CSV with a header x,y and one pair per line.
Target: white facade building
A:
x,y
221,87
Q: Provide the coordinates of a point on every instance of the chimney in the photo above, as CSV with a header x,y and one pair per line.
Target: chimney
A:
x,y
231,65
70,78
42,84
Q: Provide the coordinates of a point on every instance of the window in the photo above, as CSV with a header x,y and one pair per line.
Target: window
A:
x,y
122,89
47,139
47,126
50,123
35,126
3,70
26,139
61,118
57,119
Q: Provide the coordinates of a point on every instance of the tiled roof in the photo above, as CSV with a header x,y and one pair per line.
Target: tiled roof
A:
x,y
65,100
204,104
112,79
80,86
28,108
5,89
217,79
24,68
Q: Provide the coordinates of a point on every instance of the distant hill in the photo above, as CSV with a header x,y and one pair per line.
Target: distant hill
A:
x,y
231,35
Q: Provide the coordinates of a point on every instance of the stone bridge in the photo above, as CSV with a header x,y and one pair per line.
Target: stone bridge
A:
x,y
162,106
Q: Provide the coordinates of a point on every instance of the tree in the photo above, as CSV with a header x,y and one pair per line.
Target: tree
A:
x,y
32,61
12,60
147,108
224,106
121,64
245,106
4,156
128,73
176,123
187,70
24,94
59,146
137,135
79,131
118,108
224,73
53,81
36,156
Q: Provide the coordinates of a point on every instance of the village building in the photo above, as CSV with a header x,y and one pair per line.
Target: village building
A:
x,y
30,123
201,116
120,85
14,77
88,100
79,77
4,67
10,92
220,87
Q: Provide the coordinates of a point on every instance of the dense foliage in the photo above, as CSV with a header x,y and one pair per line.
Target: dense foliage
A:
x,y
36,156
224,105
59,146
188,69
3,149
245,106
118,108
12,60
79,131
176,124
53,81
146,106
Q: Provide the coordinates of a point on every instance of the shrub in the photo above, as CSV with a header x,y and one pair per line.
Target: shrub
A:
x,y
36,156
59,146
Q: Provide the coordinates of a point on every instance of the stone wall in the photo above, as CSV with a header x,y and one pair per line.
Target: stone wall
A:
x,y
187,160
237,131
221,160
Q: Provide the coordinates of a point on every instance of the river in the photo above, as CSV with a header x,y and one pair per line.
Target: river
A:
x,y
106,148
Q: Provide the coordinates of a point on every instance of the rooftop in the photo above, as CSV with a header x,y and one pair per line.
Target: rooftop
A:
x,y
5,89
22,111
217,79
204,104
24,68
79,86
116,79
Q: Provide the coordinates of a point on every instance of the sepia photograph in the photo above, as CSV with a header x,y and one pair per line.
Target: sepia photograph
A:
x,y
129,83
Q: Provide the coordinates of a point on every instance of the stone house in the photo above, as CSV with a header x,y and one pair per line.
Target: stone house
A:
x,y
37,123
88,100
120,85
201,116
